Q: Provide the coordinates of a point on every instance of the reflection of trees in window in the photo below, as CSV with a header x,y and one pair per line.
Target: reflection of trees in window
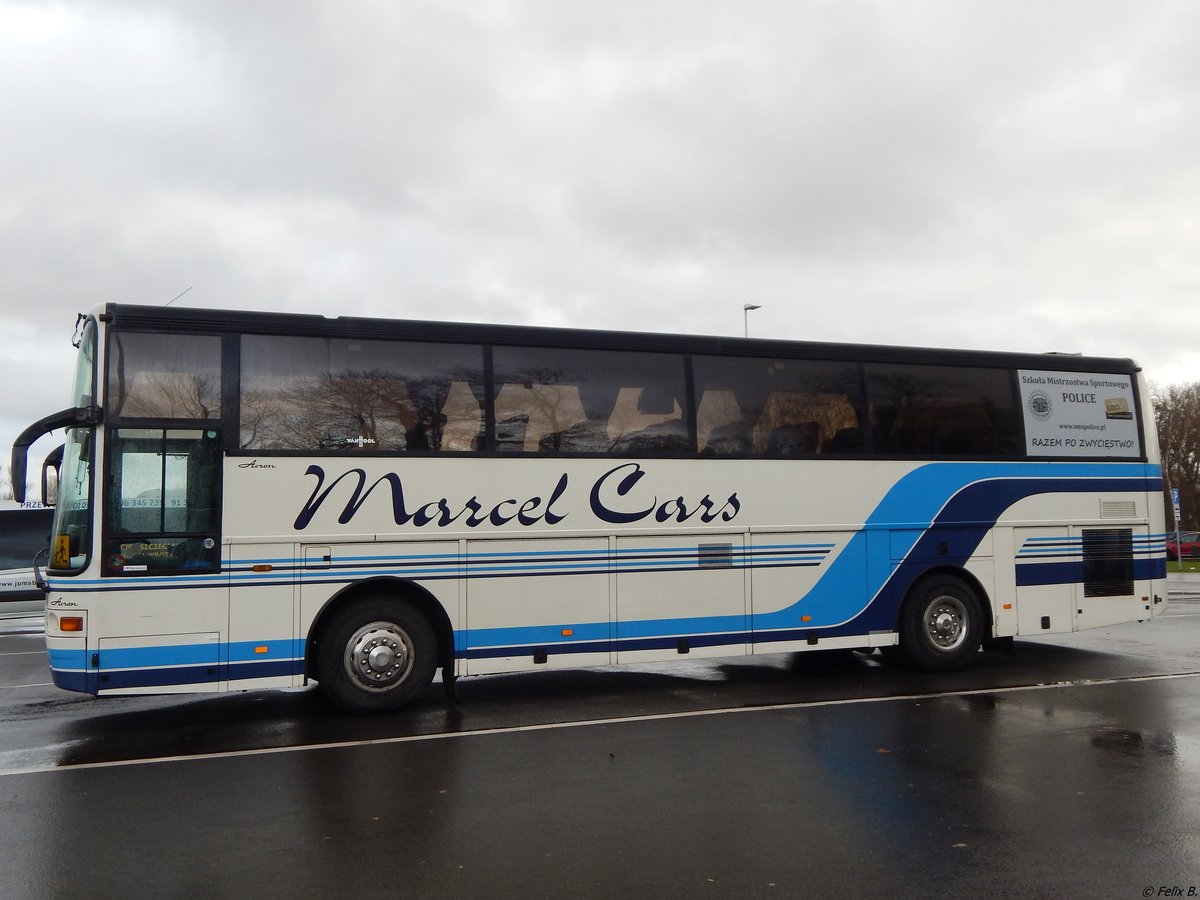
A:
x,y
172,395
551,407
163,375
721,425
794,422
538,411
260,414
309,393
362,410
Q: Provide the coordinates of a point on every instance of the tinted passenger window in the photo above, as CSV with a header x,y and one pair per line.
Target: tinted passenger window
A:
x,y
301,393
936,411
777,407
164,376
589,401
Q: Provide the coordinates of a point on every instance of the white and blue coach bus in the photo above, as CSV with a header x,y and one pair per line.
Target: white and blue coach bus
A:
x,y
250,500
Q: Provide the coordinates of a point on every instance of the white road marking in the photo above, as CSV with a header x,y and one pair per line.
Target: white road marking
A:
x,y
586,723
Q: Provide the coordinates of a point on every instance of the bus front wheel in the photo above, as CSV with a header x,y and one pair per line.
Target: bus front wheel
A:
x,y
376,655
941,625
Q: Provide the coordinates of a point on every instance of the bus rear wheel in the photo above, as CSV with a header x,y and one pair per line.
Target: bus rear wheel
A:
x,y
941,625
375,655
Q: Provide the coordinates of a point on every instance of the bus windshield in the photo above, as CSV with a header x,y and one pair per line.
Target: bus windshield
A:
x,y
71,538
71,542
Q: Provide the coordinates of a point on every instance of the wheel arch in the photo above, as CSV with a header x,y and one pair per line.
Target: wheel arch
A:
x,y
401,591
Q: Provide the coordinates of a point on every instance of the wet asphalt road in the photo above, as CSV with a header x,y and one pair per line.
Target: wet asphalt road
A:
x,y
1069,769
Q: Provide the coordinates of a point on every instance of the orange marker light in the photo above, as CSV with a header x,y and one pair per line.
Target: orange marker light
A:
x,y
806,618
567,632
1008,606
260,649
70,623
261,567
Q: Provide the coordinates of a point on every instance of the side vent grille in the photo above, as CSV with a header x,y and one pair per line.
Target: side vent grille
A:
x,y
1118,509
1107,562
716,556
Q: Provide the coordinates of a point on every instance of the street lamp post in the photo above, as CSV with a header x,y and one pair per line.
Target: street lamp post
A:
x,y
746,316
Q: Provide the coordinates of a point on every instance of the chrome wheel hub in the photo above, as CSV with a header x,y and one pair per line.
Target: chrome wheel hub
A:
x,y
379,656
946,623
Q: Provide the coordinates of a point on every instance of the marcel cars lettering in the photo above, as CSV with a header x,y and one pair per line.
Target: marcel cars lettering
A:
x,y
621,496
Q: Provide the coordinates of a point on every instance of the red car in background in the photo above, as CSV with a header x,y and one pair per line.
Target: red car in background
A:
x,y
1189,544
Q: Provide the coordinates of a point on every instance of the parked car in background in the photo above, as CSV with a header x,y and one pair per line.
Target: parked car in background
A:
x,y
1187,547
24,533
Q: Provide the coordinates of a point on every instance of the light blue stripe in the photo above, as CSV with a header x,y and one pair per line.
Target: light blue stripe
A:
x,y
68,660
156,657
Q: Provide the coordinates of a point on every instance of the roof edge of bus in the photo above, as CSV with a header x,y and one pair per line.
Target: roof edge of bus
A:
x,y
134,317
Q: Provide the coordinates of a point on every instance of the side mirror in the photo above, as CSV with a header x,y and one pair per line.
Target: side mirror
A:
x,y
50,476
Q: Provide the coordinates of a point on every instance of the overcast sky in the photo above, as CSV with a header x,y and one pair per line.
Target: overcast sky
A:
x,y
1002,175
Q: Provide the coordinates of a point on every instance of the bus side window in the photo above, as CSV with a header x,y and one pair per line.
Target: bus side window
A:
x,y
358,396
942,411
778,407
721,427
165,376
588,401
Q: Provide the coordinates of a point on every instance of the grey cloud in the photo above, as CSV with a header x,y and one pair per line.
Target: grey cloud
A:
x,y
1016,175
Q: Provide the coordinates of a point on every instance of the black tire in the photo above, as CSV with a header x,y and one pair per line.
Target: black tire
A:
x,y
375,655
941,624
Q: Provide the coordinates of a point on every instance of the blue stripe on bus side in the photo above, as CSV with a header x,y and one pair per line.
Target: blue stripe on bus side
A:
x,y
166,676
967,507
154,657
174,665
72,680
979,504
270,668
195,654
1072,572
112,679
482,565
68,660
